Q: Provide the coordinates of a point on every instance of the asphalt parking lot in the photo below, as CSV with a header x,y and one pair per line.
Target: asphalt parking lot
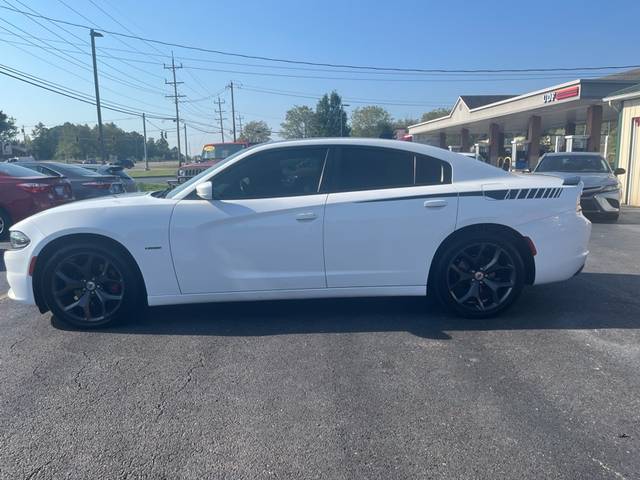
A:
x,y
368,388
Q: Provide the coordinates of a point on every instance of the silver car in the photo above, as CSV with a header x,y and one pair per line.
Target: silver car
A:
x,y
601,193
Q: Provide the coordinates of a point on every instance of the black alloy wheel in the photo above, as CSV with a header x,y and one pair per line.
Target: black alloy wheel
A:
x,y
479,277
90,286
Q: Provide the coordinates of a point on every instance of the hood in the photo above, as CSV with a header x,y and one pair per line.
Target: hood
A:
x,y
200,165
590,180
137,199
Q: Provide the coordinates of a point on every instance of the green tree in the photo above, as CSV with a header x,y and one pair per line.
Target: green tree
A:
x,y
256,132
8,128
404,122
331,119
299,122
43,143
371,121
435,113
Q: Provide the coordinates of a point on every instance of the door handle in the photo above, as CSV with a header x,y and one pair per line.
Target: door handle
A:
x,y
302,217
435,203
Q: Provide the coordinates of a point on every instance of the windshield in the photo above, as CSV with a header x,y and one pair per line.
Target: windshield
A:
x,y
196,179
573,163
220,151
11,170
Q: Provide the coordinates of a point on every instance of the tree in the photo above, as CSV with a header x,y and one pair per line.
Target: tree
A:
x,y
300,122
8,128
435,113
404,122
256,132
331,119
371,121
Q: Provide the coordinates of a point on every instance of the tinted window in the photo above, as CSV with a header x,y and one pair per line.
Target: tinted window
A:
x,y
432,171
572,163
372,168
278,173
11,170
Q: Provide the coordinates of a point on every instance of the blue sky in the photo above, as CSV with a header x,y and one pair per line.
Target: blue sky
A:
x,y
422,34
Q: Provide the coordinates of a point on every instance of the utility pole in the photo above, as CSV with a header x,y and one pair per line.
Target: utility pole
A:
x,y
186,144
95,35
220,102
144,132
240,123
175,97
233,112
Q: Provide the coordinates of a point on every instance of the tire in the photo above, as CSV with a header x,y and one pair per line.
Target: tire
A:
x,y
479,276
90,285
5,224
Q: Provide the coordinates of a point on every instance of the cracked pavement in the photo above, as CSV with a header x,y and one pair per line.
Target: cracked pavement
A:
x,y
339,389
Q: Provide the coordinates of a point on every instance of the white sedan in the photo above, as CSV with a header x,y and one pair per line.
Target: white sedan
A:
x,y
306,219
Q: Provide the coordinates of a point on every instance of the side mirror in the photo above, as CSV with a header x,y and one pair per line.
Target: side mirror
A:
x,y
619,171
205,190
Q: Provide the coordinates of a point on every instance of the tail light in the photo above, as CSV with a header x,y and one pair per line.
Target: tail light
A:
x,y
35,187
97,185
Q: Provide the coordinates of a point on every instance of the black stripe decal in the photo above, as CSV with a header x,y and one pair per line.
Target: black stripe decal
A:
x,y
412,197
515,194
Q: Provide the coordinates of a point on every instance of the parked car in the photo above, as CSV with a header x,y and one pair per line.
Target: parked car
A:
x,y
24,192
84,183
212,154
306,219
128,183
601,192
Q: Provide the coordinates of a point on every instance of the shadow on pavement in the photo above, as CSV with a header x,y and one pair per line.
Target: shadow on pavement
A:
x,y
589,301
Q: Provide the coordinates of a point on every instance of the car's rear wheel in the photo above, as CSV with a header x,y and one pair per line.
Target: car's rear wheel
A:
x,y
5,224
479,276
90,286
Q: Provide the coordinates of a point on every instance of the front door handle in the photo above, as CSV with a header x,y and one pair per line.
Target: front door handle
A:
x,y
305,217
435,203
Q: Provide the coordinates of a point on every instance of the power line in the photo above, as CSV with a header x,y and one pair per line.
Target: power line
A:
x,y
332,65
67,92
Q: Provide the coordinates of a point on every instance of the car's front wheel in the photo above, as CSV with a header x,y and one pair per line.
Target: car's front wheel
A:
x,y
5,223
90,286
479,276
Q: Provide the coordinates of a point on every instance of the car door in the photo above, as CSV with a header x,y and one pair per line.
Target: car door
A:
x,y
262,231
387,213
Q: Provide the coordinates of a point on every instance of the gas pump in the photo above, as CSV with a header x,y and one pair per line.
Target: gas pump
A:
x,y
576,143
519,153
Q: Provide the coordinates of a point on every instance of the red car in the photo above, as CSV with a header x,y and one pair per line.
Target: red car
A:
x,y
24,192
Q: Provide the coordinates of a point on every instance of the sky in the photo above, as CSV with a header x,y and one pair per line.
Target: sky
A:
x,y
412,34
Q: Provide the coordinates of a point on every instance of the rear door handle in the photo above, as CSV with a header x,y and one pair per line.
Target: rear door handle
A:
x,y
435,203
306,216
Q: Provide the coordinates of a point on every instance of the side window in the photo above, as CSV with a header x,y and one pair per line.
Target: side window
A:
x,y
432,171
362,168
278,173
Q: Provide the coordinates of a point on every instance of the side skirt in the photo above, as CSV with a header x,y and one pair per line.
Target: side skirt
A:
x,y
411,290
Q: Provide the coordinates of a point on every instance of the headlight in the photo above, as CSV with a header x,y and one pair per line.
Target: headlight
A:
x,y
181,173
18,240
611,188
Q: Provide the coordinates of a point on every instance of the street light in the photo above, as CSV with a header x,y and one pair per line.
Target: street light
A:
x,y
342,108
95,35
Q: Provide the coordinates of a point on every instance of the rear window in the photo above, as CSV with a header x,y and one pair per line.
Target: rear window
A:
x,y
75,171
11,170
